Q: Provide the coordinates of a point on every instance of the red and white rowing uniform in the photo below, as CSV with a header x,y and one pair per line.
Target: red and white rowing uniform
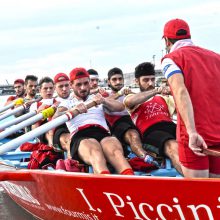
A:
x,y
94,116
150,112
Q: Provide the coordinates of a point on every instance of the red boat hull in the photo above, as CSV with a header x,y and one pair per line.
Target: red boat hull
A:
x,y
59,195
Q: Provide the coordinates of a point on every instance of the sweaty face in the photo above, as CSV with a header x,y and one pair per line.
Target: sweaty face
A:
x,y
31,88
63,89
94,82
146,83
19,89
81,87
46,90
116,82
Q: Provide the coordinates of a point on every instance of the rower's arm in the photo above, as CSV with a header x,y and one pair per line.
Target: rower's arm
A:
x,y
132,100
113,105
183,101
60,111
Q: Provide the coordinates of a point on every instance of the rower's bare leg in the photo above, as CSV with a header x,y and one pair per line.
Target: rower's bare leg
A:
x,y
132,138
90,151
114,154
171,151
190,173
65,143
212,175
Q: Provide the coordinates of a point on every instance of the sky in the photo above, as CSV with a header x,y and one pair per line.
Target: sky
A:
x,y
45,37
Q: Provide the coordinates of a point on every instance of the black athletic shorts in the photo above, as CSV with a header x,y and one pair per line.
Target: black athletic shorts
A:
x,y
58,132
95,132
121,126
158,134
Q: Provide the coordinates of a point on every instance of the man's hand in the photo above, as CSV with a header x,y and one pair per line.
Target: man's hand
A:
x,y
98,99
164,90
124,91
197,144
81,108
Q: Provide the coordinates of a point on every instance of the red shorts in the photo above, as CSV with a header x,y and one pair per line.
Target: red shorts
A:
x,y
191,161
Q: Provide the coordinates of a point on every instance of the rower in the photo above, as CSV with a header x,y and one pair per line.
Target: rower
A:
x,y
120,123
46,87
19,91
91,142
94,83
151,113
61,136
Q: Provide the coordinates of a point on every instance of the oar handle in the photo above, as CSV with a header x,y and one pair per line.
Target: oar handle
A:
x,y
75,112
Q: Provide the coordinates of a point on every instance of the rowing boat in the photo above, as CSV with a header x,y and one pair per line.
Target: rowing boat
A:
x,y
64,195
54,194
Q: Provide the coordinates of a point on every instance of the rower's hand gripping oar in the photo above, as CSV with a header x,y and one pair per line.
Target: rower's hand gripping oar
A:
x,y
12,104
13,144
43,115
21,107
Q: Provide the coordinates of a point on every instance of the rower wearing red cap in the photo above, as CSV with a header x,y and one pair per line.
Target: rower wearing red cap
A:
x,y
193,74
61,136
91,142
19,91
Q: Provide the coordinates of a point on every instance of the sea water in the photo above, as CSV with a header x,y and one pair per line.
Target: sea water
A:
x,y
9,210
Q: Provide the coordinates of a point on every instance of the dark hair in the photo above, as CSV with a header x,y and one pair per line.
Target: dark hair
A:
x,y
45,80
92,72
30,77
144,69
114,71
179,33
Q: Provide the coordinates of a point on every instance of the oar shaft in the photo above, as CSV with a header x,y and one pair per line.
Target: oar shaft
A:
x,y
17,120
12,112
11,145
21,125
4,108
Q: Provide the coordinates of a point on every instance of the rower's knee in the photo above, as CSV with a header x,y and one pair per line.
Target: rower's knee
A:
x,y
171,148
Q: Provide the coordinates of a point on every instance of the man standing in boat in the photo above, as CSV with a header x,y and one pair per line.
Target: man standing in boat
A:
x,y
120,123
193,74
91,141
151,113
19,91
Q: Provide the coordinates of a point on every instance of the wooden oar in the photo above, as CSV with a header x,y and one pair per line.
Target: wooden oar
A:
x,y
17,120
11,145
44,114
213,151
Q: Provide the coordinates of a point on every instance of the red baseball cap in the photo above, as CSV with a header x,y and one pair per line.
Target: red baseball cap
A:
x,y
172,27
61,77
78,73
21,81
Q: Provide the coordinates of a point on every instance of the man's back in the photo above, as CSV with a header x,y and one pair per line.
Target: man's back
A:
x,y
201,70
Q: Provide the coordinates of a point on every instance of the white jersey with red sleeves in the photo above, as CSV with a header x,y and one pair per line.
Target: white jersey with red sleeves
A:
x,y
94,115
36,105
